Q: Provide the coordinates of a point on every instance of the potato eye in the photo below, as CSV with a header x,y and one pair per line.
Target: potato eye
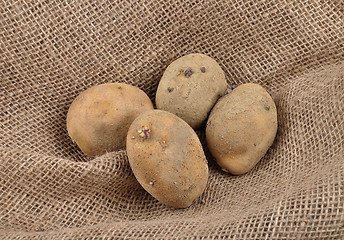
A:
x,y
144,132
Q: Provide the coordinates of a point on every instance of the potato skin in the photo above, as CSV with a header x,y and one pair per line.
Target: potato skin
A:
x,y
99,118
190,86
241,128
170,164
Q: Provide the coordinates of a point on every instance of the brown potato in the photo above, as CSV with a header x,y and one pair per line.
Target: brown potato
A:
x,y
241,127
99,118
167,158
190,86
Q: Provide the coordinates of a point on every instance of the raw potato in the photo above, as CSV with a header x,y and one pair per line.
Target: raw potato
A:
x,y
99,118
190,87
241,128
167,158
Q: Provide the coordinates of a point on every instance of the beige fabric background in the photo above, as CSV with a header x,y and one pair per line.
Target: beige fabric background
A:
x,y
52,50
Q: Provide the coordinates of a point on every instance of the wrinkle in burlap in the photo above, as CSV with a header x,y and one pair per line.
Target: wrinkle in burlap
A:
x,y
52,50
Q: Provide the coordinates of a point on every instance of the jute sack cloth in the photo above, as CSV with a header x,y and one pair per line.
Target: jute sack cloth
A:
x,y
53,50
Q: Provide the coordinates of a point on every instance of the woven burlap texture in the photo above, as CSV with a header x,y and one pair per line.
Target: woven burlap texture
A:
x,y
53,50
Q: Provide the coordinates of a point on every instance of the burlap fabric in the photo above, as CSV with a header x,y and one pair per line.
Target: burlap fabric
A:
x,y
52,50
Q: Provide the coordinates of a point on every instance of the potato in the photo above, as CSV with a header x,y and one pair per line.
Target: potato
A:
x,y
241,127
190,86
99,118
167,158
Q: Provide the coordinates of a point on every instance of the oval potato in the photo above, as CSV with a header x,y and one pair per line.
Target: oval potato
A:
x,y
167,158
190,86
241,127
99,118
